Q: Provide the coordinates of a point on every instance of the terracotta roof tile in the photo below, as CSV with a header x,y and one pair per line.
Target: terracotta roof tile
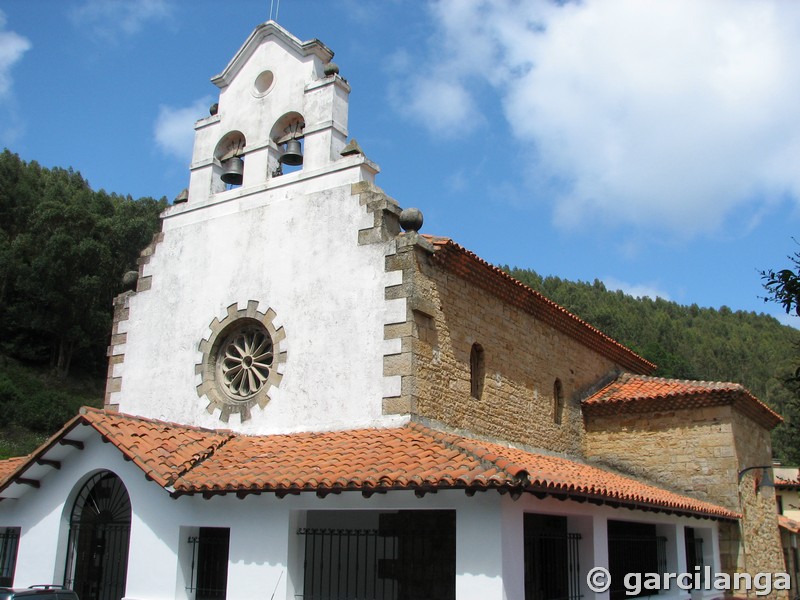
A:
x,y
788,524
415,457
194,460
164,451
470,266
10,465
788,484
631,393
161,449
554,474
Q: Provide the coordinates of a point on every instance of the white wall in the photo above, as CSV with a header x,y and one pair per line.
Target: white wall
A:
x,y
289,242
293,249
265,554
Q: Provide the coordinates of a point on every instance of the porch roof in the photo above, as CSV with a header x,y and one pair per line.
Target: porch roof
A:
x,y
9,466
191,460
787,484
788,524
630,393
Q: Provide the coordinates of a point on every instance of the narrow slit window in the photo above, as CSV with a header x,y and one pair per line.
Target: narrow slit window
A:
x,y
477,371
558,401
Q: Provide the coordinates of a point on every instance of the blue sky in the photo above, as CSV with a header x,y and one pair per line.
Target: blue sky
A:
x,y
654,145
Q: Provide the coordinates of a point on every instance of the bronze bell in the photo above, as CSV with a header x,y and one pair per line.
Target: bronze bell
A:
x,y
234,170
293,155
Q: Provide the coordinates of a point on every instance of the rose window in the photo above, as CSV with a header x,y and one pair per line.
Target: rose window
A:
x,y
245,361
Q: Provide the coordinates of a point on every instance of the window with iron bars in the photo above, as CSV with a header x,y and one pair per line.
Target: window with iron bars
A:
x,y
634,548
552,569
410,555
209,569
9,542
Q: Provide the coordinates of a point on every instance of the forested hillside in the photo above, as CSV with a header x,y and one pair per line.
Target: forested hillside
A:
x,y
65,247
63,251
689,342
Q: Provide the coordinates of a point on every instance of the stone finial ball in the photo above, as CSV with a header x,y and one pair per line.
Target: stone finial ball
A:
x,y
129,279
331,69
411,219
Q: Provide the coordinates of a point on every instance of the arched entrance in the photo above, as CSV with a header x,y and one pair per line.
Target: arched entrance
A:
x,y
99,532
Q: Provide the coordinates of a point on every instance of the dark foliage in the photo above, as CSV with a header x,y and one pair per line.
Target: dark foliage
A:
x,y
63,251
783,287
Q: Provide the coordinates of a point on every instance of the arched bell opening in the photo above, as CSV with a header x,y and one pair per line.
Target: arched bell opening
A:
x,y
287,136
99,535
228,169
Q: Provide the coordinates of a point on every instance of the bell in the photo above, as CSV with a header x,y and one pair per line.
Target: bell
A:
x,y
293,155
234,169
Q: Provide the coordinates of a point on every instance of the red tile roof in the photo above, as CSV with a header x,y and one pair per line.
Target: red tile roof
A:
x,y
789,484
10,465
473,268
788,524
190,460
631,393
164,451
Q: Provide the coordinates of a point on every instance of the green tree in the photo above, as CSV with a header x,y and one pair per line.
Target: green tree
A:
x,y
783,285
63,250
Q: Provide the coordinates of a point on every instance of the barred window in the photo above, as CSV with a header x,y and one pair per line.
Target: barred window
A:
x,y
9,541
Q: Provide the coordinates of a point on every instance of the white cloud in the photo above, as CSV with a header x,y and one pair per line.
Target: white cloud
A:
x,y
174,128
670,114
109,18
12,47
637,290
443,106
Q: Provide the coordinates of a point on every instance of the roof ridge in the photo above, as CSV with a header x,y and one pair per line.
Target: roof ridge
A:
x,y
111,413
137,457
213,449
473,449
699,382
629,391
28,459
445,244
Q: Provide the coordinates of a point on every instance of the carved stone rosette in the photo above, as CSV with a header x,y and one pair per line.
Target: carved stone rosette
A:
x,y
240,361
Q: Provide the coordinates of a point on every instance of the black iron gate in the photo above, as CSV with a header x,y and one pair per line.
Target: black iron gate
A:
x,y
411,555
97,562
552,566
633,548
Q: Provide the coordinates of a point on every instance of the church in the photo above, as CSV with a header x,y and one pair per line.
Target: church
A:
x,y
308,397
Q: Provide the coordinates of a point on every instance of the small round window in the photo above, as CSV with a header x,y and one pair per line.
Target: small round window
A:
x,y
263,83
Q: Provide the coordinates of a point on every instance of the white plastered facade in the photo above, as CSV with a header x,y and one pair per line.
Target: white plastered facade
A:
x,y
289,243
265,553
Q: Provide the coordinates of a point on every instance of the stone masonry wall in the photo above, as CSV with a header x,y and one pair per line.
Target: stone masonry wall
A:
x,y
523,359
760,550
690,450
700,452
